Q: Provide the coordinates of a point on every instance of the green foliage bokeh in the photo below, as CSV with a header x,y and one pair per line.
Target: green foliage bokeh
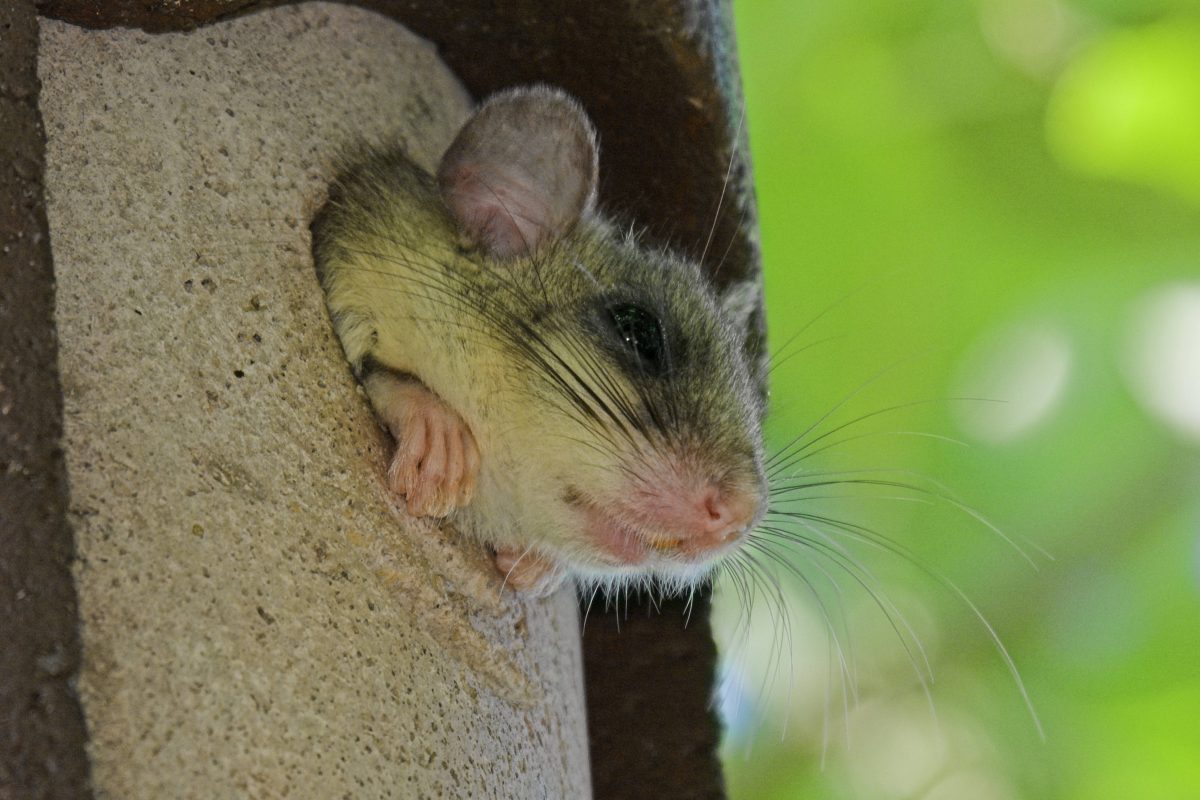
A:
x,y
956,194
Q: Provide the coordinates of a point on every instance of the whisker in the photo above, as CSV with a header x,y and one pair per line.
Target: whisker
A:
x,y
837,406
733,150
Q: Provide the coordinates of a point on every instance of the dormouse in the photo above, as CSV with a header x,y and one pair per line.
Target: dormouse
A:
x,y
570,397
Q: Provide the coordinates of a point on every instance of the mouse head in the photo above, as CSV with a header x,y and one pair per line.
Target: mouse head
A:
x,y
632,376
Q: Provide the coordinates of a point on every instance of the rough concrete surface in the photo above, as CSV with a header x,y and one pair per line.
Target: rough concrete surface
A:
x,y
257,621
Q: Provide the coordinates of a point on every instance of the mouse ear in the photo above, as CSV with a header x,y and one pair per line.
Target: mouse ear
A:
x,y
522,171
740,302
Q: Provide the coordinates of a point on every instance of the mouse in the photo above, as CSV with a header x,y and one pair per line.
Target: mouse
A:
x,y
575,399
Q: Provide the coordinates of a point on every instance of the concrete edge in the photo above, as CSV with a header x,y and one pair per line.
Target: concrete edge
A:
x,y
42,732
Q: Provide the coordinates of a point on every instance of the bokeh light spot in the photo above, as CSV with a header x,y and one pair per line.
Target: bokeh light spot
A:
x,y
1128,107
1030,34
895,755
1162,357
1013,382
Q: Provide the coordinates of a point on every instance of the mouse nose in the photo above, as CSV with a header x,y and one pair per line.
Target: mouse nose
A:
x,y
695,519
708,518
722,516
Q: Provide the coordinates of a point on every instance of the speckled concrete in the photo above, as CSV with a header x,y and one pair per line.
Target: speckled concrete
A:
x,y
257,620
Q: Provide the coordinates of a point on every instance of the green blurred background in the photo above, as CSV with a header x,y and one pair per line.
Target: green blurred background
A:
x,y
992,199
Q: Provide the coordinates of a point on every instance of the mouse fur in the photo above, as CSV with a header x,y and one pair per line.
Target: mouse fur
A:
x,y
589,399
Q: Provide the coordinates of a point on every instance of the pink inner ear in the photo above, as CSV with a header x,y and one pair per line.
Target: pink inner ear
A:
x,y
499,209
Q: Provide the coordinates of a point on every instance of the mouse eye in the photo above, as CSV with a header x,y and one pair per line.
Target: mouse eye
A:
x,y
641,334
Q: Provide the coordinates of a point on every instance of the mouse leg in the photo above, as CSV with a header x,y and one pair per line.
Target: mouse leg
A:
x,y
528,572
436,459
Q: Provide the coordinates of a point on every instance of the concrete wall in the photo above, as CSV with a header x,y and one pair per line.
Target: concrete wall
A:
x,y
256,620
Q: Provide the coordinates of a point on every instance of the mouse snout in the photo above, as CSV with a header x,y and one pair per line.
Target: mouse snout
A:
x,y
695,520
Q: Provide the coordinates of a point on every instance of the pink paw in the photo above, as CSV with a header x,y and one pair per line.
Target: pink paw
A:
x,y
436,458
528,572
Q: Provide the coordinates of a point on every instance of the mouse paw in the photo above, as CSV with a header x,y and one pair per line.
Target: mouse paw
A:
x,y
528,572
436,459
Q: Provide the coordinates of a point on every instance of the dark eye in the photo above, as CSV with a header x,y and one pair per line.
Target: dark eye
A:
x,y
641,334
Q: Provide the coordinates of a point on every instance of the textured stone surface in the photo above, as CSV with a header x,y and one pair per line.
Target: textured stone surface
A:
x,y
256,622
41,727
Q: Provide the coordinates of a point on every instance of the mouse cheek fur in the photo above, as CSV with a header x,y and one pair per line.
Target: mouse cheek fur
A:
x,y
523,501
556,511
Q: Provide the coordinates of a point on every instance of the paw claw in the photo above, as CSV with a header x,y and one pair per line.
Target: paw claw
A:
x,y
528,572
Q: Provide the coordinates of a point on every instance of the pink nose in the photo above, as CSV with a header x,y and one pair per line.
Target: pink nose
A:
x,y
718,518
695,519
